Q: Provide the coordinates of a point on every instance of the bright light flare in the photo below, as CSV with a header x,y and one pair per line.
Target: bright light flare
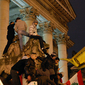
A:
x,y
1,82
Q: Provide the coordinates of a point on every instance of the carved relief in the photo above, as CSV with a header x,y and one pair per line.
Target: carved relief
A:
x,y
47,27
61,38
29,12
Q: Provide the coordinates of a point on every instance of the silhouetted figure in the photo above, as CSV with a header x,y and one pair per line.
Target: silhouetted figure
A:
x,y
10,36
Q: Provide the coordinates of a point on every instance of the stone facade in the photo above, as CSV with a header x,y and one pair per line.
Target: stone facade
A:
x,y
58,12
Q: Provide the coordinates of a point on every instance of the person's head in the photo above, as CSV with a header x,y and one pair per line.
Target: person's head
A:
x,y
59,75
33,56
11,23
28,55
18,18
57,60
53,55
29,78
35,22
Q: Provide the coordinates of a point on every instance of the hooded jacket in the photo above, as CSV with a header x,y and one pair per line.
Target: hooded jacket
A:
x,y
32,30
20,25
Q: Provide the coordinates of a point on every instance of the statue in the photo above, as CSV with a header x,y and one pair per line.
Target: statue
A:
x,y
14,54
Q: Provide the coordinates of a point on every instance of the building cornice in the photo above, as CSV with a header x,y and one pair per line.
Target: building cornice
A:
x,y
65,9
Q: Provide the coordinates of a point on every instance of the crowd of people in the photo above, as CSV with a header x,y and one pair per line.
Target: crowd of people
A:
x,y
48,73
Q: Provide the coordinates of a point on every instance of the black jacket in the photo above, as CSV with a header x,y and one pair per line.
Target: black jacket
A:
x,y
48,63
44,80
10,32
26,66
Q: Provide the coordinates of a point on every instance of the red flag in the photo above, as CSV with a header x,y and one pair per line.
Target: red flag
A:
x,y
20,79
76,79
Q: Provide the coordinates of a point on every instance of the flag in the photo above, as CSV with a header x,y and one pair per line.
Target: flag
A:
x,y
33,83
76,79
20,77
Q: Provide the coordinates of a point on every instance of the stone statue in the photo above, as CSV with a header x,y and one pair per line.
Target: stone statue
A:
x,y
14,53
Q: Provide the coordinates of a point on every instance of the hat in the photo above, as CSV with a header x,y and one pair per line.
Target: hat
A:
x,y
53,54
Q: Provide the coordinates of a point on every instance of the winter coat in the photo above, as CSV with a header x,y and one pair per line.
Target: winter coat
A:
x,y
32,30
20,25
48,63
44,80
26,66
10,32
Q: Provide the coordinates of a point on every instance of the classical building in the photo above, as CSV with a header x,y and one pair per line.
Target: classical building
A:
x,y
52,15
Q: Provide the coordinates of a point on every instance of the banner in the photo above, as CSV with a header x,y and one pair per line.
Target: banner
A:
x,y
76,79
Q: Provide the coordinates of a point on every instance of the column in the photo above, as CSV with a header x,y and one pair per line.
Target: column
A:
x,y
4,22
47,34
29,15
62,53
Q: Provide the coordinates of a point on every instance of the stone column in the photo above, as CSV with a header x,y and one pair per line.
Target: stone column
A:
x,y
29,15
4,22
62,53
47,34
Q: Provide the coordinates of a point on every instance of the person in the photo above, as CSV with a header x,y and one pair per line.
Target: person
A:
x,y
48,63
20,28
33,33
42,80
10,36
26,66
59,76
43,73
47,66
56,69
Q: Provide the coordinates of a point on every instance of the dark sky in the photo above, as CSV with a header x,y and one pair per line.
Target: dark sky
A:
x,y
77,26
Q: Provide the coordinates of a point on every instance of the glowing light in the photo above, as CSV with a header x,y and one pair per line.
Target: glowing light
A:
x,y
1,82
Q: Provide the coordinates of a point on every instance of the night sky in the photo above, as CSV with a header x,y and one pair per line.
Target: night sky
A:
x,y
77,26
